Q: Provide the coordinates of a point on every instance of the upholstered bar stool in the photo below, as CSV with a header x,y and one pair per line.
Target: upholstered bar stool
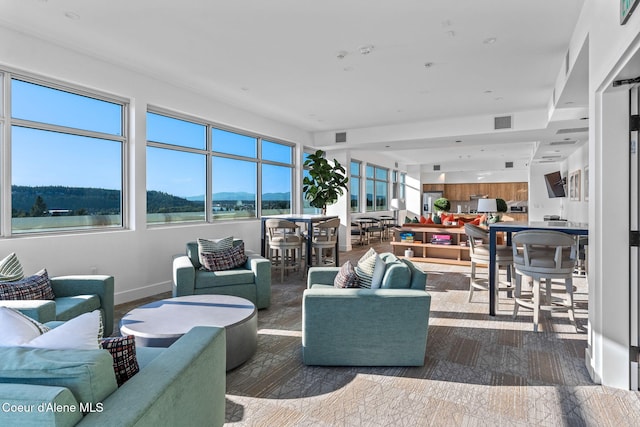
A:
x,y
285,245
544,254
325,236
479,253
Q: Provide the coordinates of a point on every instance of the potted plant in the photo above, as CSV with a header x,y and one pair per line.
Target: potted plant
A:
x,y
325,183
442,204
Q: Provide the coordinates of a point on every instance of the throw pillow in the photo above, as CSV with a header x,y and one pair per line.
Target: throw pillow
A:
x,y
407,220
370,270
37,287
214,245
123,351
11,269
429,221
423,220
346,277
17,328
80,333
224,260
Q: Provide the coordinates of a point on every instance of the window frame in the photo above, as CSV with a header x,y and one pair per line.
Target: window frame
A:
x,y
375,180
210,154
7,122
359,186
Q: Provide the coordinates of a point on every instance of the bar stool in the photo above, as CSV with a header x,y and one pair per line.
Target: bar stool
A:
x,y
478,240
325,236
544,254
284,245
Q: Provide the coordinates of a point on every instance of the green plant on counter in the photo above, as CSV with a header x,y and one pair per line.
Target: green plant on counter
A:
x,y
442,204
501,205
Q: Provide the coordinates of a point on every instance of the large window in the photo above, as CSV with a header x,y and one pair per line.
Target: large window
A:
x,y
355,185
66,158
244,170
377,186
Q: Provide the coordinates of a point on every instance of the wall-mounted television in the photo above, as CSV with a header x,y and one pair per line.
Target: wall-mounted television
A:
x,y
555,184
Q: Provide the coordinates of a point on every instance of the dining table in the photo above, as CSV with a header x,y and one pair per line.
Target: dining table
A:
x,y
510,227
308,220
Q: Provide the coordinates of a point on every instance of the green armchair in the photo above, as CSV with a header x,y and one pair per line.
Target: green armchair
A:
x,y
251,281
74,295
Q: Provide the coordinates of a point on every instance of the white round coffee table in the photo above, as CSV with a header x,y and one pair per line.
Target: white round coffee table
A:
x,y
161,323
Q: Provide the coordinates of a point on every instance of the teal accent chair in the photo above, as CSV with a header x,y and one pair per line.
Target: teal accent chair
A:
x,y
74,295
366,327
251,281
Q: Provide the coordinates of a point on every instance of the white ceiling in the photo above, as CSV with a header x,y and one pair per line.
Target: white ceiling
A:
x,y
280,58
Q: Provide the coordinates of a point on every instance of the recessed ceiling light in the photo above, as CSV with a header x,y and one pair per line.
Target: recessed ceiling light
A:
x,y
72,15
428,64
347,69
490,40
341,54
387,146
569,103
498,98
488,91
458,140
244,89
367,49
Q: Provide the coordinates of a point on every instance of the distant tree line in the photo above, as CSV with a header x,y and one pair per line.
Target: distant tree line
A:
x,y
30,201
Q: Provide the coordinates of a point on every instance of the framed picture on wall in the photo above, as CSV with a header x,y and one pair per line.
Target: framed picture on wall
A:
x,y
586,183
574,185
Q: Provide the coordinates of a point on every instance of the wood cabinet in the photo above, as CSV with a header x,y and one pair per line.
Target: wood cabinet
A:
x,y
509,191
426,250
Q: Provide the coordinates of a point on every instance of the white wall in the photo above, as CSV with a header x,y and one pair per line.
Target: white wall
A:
x,y
578,210
139,258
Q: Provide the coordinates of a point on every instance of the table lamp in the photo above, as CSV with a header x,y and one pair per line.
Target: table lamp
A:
x,y
487,206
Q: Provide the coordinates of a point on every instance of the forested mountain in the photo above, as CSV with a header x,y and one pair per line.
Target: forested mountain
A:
x,y
46,200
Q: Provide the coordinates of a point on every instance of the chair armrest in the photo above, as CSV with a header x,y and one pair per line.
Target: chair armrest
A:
x,y
89,284
184,276
321,276
42,311
364,327
184,384
261,268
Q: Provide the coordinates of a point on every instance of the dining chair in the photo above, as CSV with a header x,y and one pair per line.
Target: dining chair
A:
x,y
478,241
548,255
285,243
324,238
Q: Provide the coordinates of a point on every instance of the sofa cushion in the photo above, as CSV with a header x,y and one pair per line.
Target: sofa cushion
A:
x,y
346,277
123,352
18,328
397,274
36,287
80,333
88,374
11,269
69,307
212,279
225,259
370,270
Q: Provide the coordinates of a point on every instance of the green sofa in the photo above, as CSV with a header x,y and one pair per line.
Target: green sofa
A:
x,y
180,385
251,281
75,295
366,327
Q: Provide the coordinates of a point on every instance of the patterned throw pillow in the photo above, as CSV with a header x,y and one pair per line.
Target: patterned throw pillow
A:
x,y
224,260
33,287
11,269
370,270
346,277
123,351
214,245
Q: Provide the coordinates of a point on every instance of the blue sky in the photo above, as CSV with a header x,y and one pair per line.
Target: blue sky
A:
x,y
52,158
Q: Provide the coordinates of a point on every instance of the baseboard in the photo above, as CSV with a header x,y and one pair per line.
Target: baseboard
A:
x,y
142,292
592,372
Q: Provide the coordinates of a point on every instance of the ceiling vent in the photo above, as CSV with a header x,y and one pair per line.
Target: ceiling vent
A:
x,y
571,142
508,165
436,167
571,130
551,157
502,122
341,137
